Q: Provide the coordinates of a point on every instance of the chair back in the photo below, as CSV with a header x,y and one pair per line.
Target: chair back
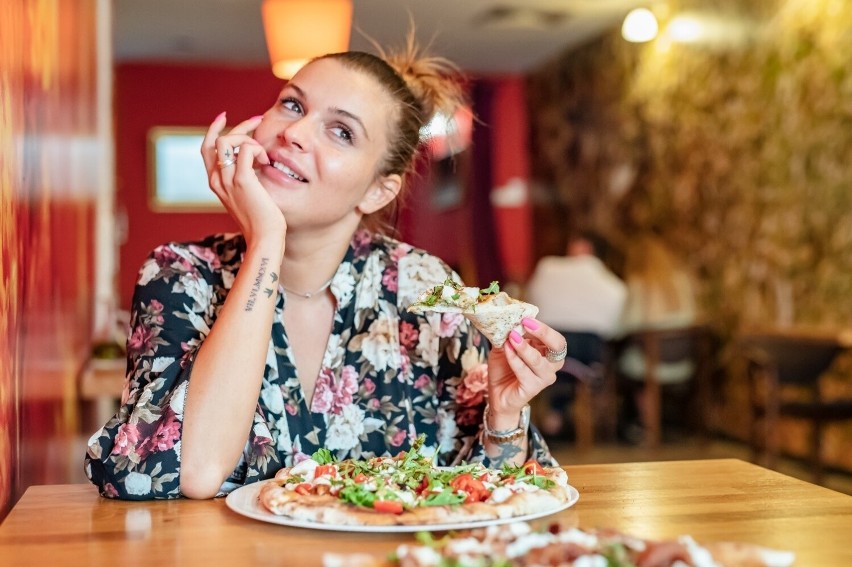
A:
x,y
673,345
797,360
585,347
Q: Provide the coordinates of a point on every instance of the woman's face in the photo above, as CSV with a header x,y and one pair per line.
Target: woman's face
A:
x,y
325,138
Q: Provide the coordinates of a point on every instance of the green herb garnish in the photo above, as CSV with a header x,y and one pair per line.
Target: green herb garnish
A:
x,y
324,457
616,556
444,498
491,289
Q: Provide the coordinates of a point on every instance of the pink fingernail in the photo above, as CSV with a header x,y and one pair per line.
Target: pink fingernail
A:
x,y
516,337
258,117
220,115
530,324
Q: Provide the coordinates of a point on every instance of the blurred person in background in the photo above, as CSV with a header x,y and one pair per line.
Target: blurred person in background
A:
x,y
660,295
579,296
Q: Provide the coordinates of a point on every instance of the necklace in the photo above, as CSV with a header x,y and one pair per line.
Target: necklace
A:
x,y
307,295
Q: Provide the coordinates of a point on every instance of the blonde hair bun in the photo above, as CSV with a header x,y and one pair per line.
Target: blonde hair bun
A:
x,y
436,83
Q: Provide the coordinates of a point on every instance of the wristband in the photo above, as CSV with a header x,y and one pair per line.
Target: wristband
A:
x,y
509,435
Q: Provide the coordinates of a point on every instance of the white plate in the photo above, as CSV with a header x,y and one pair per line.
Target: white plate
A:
x,y
244,501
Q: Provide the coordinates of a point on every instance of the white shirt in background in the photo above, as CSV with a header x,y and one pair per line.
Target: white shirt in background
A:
x,y
577,293
647,309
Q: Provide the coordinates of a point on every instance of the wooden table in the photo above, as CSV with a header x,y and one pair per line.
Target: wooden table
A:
x,y
724,499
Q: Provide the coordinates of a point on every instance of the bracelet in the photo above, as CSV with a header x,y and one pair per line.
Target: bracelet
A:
x,y
501,437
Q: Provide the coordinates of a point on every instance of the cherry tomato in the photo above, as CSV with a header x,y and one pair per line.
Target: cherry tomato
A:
x,y
533,467
325,469
424,484
388,506
475,489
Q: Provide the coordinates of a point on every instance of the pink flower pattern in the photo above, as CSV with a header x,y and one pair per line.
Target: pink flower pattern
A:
x,y
408,335
206,254
332,396
165,436
422,381
389,278
141,340
398,438
449,324
125,440
474,385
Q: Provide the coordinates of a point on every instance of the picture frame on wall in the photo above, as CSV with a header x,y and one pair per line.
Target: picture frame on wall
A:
x,y
176,175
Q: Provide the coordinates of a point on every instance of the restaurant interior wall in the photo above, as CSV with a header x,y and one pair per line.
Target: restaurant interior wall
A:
x,y
153,94
48,186
736,150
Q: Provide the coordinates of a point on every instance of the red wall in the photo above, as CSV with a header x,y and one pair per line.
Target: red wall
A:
x,y
153,94
510,154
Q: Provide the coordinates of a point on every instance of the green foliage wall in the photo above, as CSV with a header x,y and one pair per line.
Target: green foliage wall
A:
x,y
741,154
739,151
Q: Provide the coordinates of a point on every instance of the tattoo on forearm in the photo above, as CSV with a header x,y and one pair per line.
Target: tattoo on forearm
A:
x,y
507,451
255,288
268,291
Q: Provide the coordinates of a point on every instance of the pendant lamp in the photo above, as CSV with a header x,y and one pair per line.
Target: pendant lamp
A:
x,y
299,30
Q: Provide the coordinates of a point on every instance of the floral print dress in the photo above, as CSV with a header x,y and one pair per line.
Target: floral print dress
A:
x,y
387,375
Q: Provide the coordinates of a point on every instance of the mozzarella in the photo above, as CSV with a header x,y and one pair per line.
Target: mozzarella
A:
x,y
698,555
499,494
469,545
581,538
591,561
422,555
524,544
406,496
305,469
447,294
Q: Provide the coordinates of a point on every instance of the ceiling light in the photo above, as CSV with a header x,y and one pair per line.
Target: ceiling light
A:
x,y
685,29
640,25
299,30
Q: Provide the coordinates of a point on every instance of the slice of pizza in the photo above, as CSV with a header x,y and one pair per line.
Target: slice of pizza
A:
x,y
409,490
490,310
518,545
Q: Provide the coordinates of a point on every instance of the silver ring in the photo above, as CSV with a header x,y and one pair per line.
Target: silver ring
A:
x,y
227,163
554,356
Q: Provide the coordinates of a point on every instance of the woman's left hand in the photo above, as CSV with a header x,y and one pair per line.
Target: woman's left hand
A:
x,y
520,370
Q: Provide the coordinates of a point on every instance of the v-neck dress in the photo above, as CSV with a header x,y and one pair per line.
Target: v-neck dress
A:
x,y
387,376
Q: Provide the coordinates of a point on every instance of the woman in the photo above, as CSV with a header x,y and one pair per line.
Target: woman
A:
x,y
248,352
660,295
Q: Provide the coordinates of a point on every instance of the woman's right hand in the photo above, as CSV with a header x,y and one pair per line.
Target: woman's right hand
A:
x,y
235,184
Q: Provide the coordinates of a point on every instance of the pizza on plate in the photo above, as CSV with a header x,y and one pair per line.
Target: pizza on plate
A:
x,y
519,545
409,490
490,310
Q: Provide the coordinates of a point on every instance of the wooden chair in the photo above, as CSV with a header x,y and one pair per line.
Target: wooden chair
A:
x,y
779,366
586,373
694,343
594,401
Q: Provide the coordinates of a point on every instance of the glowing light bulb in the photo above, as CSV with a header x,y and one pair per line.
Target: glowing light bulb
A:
x,y
640,25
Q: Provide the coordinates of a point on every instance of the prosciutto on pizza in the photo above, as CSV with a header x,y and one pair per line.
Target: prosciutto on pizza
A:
x,y
519,545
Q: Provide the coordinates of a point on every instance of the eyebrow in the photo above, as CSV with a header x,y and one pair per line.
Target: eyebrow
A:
x,y
335,110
